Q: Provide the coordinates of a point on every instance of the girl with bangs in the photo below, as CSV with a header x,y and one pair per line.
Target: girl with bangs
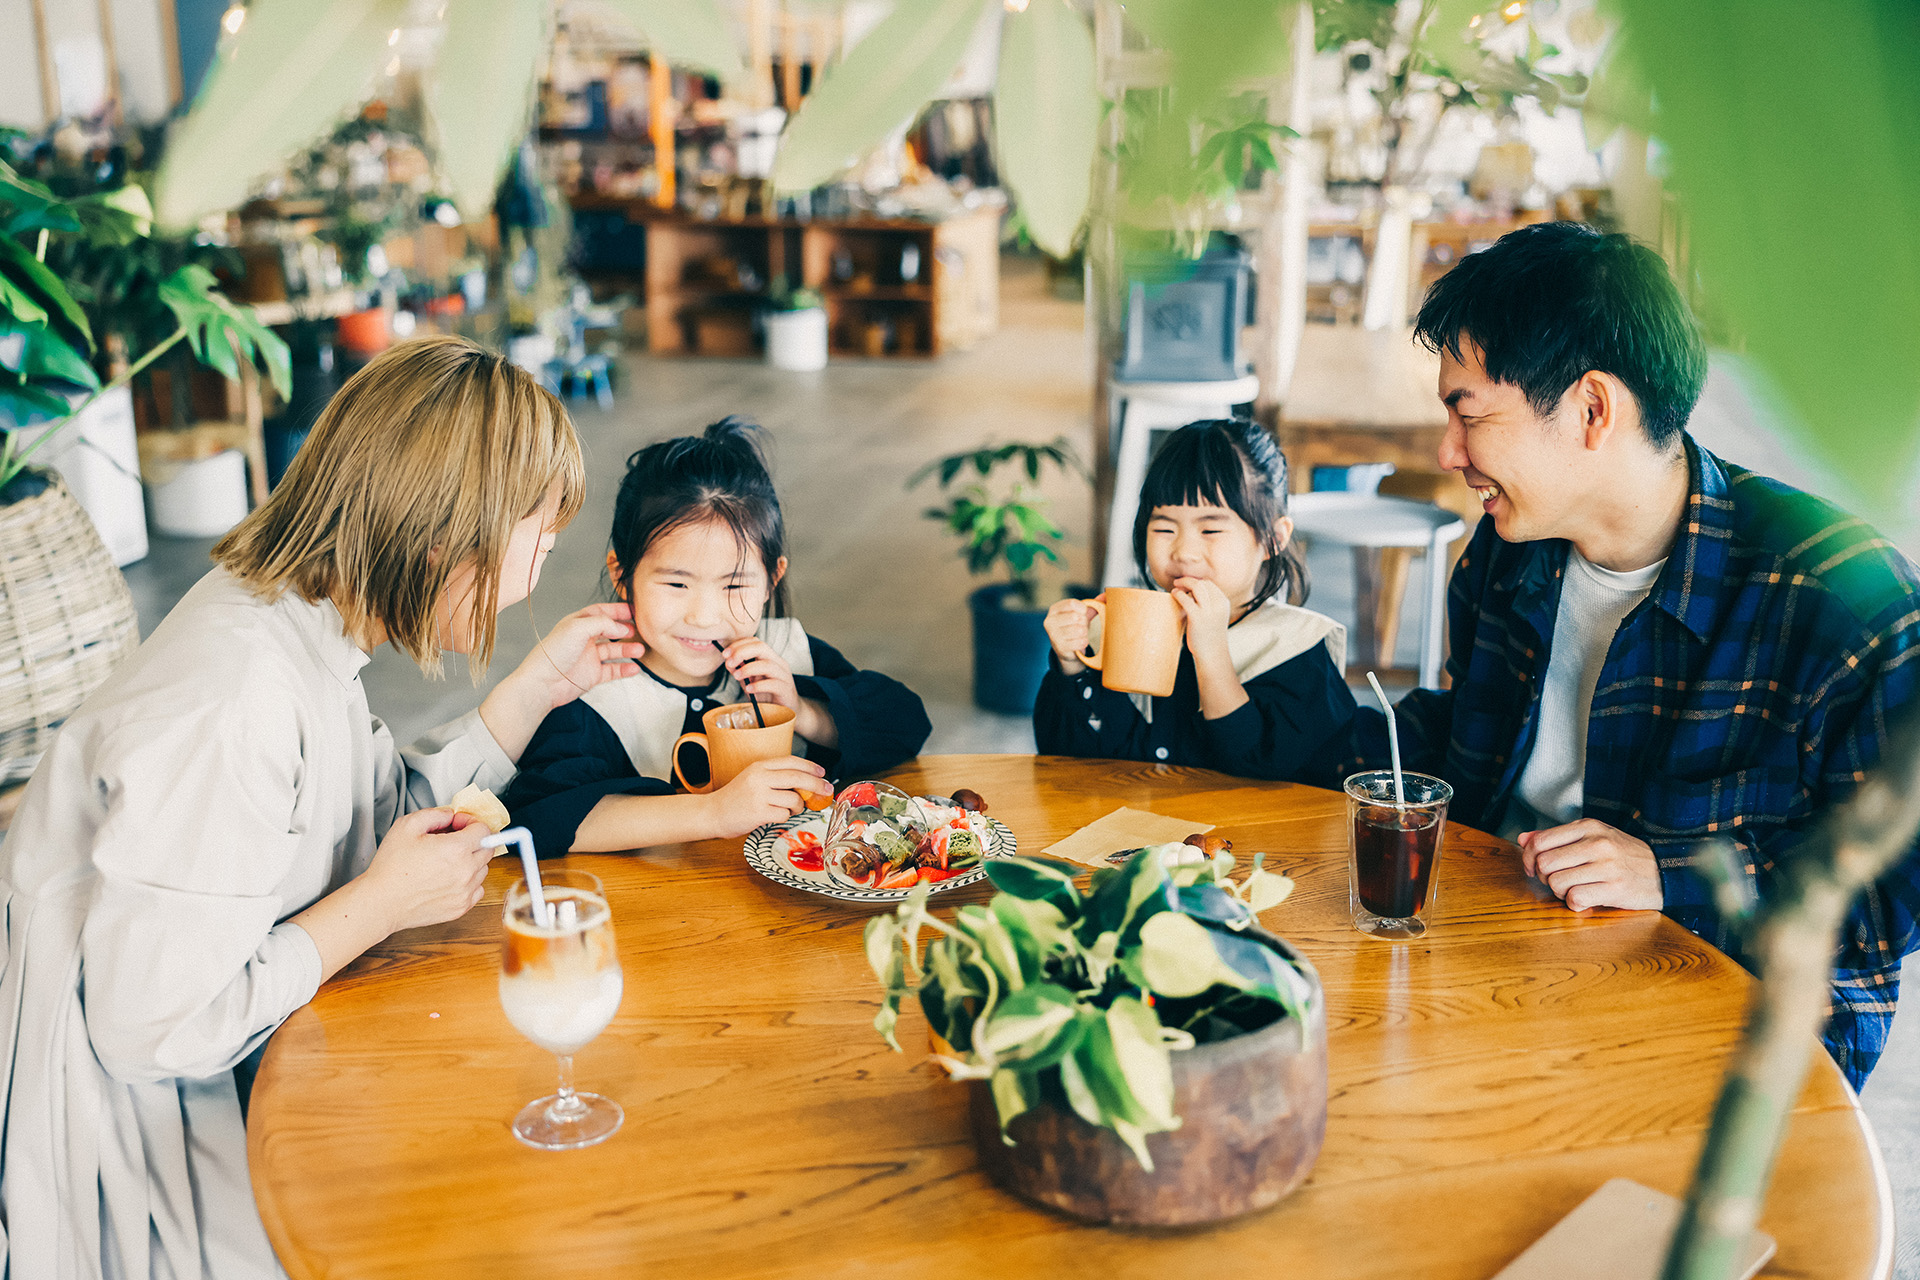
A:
x,y
223,825
1261,690
698,550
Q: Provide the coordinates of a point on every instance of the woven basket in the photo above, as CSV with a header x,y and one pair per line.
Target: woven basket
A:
x,y
66,621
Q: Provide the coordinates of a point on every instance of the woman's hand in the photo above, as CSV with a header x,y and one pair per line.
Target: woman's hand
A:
x,y
765,791
586,648
767,676
429,869
1067,624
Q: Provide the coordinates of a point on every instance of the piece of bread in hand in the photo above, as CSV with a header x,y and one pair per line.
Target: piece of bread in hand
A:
x,y
478,802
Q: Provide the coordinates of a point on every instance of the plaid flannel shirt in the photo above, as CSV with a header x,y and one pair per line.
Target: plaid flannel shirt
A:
x,y
1753,687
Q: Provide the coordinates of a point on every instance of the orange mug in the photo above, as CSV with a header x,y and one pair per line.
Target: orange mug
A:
x,y
734,739
1140,642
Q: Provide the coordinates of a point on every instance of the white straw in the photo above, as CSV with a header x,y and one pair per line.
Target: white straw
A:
x,y
542,913
1393,738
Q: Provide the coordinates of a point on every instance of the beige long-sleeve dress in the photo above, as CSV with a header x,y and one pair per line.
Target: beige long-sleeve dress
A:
x,y
226,778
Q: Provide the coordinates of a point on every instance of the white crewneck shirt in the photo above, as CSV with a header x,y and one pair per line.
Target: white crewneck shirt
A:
x,y
1593,603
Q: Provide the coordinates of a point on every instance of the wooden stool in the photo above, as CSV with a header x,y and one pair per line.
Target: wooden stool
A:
x,y
1369,524
1139,410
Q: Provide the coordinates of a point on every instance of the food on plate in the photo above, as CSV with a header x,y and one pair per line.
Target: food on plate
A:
x,y
477,802
884,839
969,800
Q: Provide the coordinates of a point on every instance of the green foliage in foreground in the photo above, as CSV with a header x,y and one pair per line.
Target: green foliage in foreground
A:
x,y
1077,999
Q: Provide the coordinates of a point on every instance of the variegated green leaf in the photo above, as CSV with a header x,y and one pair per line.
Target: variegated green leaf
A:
x,y
1013,1093
1144,1060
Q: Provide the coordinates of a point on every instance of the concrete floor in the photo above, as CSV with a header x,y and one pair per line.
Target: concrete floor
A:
x,y
876,579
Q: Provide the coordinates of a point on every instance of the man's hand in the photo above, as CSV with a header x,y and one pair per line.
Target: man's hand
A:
x,y
1590,864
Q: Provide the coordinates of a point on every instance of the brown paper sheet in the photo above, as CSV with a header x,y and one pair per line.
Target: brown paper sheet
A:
x,y
1122,829
1620,1232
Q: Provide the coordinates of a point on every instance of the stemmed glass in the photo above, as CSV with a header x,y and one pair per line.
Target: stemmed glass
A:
x,y
560,985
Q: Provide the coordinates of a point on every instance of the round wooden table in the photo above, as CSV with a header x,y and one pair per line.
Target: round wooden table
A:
x,y
1484,1081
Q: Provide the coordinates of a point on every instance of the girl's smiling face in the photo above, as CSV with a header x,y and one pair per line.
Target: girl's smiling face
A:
x,y
1212,542
694,585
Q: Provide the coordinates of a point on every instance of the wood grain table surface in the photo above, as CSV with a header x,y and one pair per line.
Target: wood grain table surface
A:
x,y
1483,1082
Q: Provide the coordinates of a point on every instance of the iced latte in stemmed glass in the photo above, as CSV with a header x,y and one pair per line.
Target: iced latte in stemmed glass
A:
x,y
560,985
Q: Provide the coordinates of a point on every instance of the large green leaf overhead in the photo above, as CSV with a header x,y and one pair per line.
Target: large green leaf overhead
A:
x,y
885,80
1047,118
481,94
688,33
294,69
1797,162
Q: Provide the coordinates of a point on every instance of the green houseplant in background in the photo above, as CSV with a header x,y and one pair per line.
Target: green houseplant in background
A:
x,y
796,324
1097,1028
66,618
1004,526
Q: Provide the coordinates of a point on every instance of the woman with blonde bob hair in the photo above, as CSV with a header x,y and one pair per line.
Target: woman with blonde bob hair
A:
x,y
224,825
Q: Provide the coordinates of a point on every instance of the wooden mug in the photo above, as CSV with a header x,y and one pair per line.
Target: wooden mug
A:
x,y
730,748
1140,643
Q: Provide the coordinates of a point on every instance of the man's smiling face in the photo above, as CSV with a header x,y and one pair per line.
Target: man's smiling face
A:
x,y
1531,473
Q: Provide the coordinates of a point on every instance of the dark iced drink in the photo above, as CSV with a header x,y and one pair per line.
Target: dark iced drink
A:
x,y
1394,849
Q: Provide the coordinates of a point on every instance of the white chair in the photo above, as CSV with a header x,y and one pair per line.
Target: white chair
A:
x,y
1370,522
1139,410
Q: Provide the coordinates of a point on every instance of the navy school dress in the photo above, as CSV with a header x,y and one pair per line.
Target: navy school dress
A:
x,y
1296,725
617,739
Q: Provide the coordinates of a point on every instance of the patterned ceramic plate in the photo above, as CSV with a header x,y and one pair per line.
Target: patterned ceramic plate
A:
x,y
767,851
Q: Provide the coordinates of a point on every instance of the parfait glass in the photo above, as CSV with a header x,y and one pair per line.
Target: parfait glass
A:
x,y
848,850
560,985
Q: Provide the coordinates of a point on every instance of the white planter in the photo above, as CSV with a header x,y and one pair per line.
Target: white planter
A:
x,y
203,499
797,340
99,459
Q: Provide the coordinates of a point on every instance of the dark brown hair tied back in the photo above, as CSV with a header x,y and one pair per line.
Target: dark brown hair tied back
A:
x,y
720,474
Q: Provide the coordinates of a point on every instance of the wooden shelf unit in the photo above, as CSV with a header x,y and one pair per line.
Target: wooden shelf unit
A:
x,y
696,305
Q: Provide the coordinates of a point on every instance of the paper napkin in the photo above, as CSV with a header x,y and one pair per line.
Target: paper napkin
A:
x,y
1122,829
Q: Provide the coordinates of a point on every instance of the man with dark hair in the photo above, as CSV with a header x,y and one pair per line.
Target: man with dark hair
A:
x,y
1650,646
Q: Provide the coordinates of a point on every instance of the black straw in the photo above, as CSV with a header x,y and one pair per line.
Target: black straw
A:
x,y
743,686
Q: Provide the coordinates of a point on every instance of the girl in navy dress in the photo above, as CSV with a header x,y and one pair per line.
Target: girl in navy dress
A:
x,y
698,551
1261,690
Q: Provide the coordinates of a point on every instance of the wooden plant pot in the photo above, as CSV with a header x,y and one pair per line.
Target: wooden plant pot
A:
x,y
1253,1112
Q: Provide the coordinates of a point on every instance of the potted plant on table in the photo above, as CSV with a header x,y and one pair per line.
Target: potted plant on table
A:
x,y
1009,526
1143,1053
797,330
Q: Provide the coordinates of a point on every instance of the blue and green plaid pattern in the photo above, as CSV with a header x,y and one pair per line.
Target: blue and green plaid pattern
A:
x,y
1755,686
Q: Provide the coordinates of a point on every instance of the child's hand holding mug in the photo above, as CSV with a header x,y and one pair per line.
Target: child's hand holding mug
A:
x,y
1067,624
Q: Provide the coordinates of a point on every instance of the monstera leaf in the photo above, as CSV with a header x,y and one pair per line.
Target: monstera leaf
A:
x,y
220,333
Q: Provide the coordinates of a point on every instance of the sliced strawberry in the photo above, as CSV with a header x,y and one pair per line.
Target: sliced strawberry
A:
x,y
862,795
